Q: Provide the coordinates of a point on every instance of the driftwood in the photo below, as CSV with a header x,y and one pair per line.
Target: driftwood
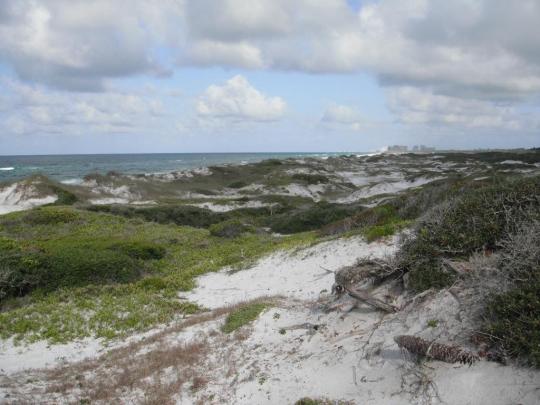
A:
x,y
367,270
368,299
437,351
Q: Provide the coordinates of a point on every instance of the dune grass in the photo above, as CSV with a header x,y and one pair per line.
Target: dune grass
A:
x,y
243,315
86,298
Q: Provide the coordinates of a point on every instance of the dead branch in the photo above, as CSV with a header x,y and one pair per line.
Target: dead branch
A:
x,y
368,299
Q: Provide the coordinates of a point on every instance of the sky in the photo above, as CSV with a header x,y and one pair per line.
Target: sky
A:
x,y
143,76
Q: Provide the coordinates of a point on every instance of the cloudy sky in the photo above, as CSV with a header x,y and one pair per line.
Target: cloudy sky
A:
x,y
80,76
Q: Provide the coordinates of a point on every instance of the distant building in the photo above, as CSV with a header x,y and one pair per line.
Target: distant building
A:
x,y
397,149
423,149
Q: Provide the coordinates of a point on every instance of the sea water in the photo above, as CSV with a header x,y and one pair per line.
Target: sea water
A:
x,y
72,168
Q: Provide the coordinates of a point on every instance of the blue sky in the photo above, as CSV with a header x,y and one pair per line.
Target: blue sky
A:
x,y
267,75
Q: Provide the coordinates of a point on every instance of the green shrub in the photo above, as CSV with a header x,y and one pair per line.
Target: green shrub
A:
x,y
204,191
243,316
231,228
65,197
514,324
366,219
476,221
50,216
140,249
310,178
237,184
66,263
513,317
379,231
308,219
165,214
22,268
152,284
79,264
270,162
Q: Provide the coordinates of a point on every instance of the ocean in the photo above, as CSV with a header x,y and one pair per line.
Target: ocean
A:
x,y
72,168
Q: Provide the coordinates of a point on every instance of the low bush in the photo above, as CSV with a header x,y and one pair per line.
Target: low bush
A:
x,y
310,178
55,264
476,221
380,231
231,228
78,264
50,216
237,184
314,217
21,268
143,250
165,214
379,216
513,317
514,325
65,197
242,316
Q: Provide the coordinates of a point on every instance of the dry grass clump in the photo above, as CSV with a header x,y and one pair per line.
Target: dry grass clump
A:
x,y
153,370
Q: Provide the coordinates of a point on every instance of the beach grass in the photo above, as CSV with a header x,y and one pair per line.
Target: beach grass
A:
x,y
153,261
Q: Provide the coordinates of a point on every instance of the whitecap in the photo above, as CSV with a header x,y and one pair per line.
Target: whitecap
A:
x,y
6,169
72,181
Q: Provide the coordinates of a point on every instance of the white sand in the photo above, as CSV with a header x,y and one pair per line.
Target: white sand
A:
x,y
385,188
20,197
350,356
231,206
285,273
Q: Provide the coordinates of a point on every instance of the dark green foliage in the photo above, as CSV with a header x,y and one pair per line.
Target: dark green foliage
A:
x,y
378,221
475,221
271,162
204,191
308,219
46,216
65,197
237,184
176,214
140,249
418,201
310,178
515,322
71,263
21,268
74,264
231,228
513,318
526,156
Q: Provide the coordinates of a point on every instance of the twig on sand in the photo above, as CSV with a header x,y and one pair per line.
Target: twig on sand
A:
x,y
368,299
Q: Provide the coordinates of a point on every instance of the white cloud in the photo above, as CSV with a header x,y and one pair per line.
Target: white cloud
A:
x,y
241,54
421,107
486,48
341,113
456,56
78,45
36,110
343,117
238,100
